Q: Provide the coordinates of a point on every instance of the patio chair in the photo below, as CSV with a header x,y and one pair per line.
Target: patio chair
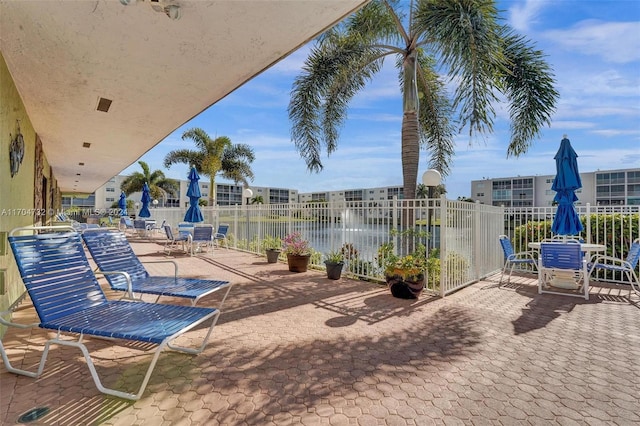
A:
x,y
513,259
201,238
173,240
141,228
626,267
126,224
68,300
125,272
61,219
185,227
563,266
221,234
153,227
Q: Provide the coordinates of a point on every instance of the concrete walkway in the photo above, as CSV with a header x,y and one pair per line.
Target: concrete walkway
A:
x,y
304,350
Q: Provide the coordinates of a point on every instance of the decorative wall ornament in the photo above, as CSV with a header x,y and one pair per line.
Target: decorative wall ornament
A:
x,y
38,175
16,150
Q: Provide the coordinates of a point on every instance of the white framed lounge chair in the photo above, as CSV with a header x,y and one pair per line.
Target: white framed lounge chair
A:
x,y
125,272
69,301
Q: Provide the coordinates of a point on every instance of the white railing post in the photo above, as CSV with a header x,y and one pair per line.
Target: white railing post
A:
x,y
588,222
477,239
443,244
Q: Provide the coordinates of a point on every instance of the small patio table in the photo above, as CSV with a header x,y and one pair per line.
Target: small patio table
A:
x,y
585,247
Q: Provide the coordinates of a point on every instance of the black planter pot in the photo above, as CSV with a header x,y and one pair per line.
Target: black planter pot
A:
x,y
407,288
334,270
272,255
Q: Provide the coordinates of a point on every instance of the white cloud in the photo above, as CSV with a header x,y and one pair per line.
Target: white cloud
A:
x,y
571,125
292,64
617,132
523,14
616,42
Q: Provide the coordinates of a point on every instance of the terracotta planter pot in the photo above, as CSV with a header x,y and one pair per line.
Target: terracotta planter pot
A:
x,y
272,255
298,263
334,270
405,288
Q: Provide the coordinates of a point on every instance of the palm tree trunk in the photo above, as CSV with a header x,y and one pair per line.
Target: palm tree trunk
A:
x,y
410,154
410,160
212,191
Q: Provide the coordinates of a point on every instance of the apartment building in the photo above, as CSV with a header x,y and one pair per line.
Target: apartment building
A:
x,y
105,197
602,187
364,194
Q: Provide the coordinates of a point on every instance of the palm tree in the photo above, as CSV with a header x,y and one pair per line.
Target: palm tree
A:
x,y
463,39
159,185
258,199
422,191
219,155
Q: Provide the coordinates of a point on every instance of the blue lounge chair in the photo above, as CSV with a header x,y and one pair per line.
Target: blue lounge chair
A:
x,y
69,300
61,219
123,270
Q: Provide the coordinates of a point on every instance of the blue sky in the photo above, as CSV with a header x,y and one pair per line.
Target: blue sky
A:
x,y
593,47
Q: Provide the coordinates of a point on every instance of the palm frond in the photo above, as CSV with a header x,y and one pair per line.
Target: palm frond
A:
x,y
337,68
529,86
184,156
464,36
435,116
198,136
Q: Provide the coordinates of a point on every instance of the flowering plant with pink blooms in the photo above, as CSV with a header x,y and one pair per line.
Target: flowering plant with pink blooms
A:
x,y
296,245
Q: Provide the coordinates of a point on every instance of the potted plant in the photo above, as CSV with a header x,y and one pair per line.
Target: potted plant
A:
x,y
298,251
404,274
273,248
334,262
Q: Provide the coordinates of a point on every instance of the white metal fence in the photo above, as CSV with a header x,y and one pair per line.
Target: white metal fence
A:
x,y
462,236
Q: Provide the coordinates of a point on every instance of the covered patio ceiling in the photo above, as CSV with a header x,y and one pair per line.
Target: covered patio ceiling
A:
x,y
103,82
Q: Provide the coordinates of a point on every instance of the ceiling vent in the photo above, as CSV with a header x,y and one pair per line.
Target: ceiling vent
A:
x,y
104,104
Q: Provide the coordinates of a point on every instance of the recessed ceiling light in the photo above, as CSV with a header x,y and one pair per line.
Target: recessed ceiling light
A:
x,y
86,145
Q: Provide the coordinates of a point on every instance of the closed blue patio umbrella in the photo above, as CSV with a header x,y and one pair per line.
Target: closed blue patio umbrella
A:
x,y
194,214
122,204
567,180
146,199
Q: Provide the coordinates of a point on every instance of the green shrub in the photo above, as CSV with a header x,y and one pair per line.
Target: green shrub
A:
x,y
613,230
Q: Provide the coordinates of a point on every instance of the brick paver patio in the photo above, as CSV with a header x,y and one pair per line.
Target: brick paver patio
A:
x,y
301,349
